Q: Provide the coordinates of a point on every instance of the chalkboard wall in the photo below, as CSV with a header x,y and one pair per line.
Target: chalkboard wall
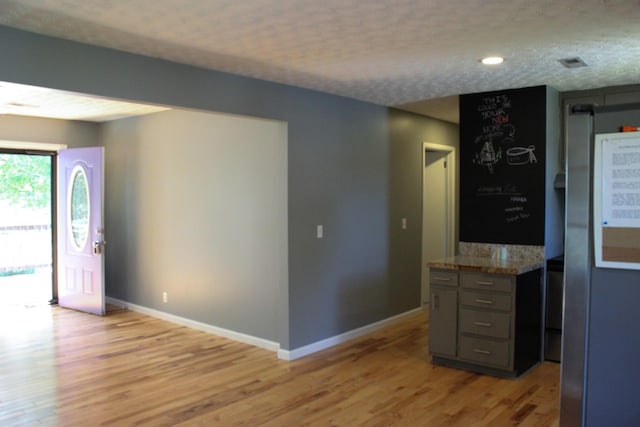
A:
x,y
502,166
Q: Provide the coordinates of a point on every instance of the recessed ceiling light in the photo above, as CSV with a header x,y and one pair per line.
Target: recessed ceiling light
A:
x,y
492,60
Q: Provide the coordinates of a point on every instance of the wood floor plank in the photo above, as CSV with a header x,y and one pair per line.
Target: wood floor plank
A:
x,y
64,368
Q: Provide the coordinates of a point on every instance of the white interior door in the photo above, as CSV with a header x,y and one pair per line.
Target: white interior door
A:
x,y
80,230
437,227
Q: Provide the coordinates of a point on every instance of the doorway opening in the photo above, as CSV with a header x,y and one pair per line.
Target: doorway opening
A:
x,y
438,207
27,206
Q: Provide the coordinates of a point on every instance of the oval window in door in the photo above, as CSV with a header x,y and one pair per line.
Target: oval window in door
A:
x,y
79,207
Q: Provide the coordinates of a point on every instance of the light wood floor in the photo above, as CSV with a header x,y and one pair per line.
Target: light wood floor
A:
x,y
60,367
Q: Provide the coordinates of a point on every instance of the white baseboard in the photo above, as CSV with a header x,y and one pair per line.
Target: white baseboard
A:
x,y
346,336
226,333
260,342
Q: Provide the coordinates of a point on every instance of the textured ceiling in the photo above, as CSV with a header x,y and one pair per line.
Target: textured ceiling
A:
x,y
41,102
389,52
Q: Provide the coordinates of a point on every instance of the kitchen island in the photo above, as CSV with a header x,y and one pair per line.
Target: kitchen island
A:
x,y
486,314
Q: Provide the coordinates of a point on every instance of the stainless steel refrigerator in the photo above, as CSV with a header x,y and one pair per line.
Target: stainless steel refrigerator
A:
x,y
600,382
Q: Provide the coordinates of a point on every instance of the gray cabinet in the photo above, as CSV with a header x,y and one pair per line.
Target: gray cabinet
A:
x,y
443,313
487,319
489,323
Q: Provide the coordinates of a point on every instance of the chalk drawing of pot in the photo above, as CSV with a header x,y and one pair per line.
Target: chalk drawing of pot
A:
x,y
521,155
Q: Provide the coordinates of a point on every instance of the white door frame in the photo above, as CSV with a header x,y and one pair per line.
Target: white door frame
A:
x,y
47,148
451,204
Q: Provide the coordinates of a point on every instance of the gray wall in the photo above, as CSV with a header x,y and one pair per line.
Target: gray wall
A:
x,y
408,133
612,382
49,131
196,206
350,168
613,376
600,375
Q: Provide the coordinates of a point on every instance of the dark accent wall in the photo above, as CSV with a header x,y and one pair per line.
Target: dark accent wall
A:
x,y
351,168
502,173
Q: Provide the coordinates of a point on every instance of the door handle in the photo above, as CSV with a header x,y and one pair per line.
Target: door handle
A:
x,y
98,245
484,283
485,324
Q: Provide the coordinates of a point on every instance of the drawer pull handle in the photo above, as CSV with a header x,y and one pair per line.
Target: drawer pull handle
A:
x,y
485,324
484,301
443,279
475,350
480,282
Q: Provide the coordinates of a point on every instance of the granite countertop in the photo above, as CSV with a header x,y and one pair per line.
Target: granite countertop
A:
x,y
487,265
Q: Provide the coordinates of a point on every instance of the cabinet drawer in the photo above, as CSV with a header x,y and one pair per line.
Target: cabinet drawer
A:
x,y
486,352
493,282
443,277
487,323
493,301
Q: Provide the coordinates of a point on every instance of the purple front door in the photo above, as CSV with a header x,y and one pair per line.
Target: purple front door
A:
x,y
80,230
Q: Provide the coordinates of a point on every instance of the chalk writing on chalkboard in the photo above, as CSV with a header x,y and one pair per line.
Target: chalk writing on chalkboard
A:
x,y
498,190
497,137
496,130
502,158
521,155
516,209
514,201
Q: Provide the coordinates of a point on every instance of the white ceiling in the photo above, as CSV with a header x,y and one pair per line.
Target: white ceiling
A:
x,y
42,102
389,52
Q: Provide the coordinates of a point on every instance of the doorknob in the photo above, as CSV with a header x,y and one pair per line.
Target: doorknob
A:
x,y
97,246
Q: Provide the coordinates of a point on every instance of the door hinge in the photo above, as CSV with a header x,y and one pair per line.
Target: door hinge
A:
x,y
445,164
